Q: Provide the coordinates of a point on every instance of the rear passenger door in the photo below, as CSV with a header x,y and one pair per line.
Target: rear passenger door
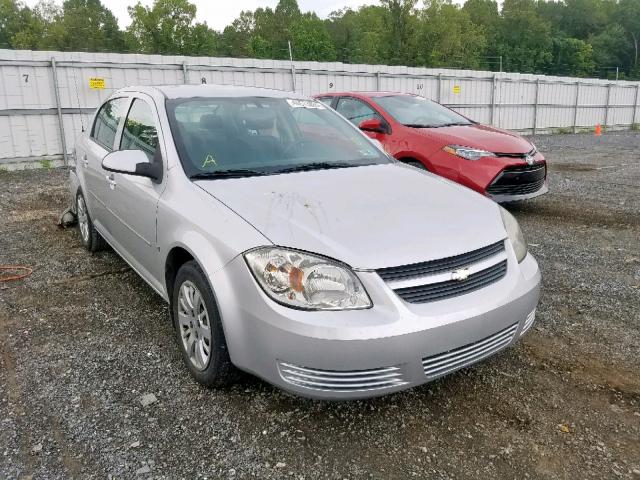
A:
x,y
90,153
133,200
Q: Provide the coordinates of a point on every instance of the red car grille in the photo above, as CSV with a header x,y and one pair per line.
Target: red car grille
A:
x,y
519,180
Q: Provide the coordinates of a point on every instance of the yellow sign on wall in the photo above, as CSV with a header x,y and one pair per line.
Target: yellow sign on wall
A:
x,y
96,83
456,89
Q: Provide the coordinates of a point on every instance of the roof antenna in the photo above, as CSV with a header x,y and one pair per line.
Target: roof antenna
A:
x,y
75,81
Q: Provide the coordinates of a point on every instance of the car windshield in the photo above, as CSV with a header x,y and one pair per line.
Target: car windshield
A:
x,y
230,137
414,111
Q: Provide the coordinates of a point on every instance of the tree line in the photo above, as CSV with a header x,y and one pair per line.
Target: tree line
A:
x,y
565,37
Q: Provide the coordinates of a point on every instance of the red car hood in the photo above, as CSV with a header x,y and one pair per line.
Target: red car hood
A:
x,y
477,136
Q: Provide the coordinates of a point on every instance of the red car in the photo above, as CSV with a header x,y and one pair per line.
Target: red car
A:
x,y
423,133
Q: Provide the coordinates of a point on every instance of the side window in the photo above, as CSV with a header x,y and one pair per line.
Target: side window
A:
x,y
140,131
356,111
107,121
326,100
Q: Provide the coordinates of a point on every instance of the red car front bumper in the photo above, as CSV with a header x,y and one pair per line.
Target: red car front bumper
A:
x,y
503,179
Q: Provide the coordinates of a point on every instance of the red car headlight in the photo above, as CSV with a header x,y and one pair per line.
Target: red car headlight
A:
x,y
467,153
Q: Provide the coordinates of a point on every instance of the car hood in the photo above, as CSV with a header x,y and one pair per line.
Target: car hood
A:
x,y
368,217
477,136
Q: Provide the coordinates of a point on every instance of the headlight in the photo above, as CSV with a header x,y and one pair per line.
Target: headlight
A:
x,y
302,280
466,152
515,234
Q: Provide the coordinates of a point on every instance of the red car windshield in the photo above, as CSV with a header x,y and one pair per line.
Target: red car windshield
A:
x,y
419,112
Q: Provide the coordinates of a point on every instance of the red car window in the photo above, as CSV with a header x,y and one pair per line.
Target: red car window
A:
x,y
356,111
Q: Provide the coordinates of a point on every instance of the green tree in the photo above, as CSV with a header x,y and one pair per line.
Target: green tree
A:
x,y
401,26
359,35
15,17
483,12
524,38
628,16
311,40
236,38
167,27
573,57
86,25
449,37
610,48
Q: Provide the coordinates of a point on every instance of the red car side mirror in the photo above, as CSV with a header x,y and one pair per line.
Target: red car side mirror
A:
x,y
372,125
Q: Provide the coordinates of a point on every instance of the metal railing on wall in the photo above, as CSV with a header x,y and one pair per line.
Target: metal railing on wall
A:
x,y
499,95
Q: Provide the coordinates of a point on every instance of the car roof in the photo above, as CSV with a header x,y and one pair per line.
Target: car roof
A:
x,y
212,90
360,94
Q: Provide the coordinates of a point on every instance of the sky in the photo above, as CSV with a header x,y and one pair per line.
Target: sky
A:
x,y
220,13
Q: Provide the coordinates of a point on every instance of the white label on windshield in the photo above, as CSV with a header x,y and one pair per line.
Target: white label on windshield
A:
x,y
303,103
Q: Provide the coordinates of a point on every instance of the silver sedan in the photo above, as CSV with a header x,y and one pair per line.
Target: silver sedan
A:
x,y
289,245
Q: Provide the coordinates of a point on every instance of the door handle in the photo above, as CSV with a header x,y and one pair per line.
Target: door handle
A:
x,y
85,160
112,181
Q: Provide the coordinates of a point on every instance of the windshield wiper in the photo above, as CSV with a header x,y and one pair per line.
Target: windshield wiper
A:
x,y
313,166
454,124
238,173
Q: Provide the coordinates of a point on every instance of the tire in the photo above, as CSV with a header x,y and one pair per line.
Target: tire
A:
x,y
198,328
89,236
415,163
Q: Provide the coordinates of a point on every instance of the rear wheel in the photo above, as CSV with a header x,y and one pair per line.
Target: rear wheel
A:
x,y
89,236
198,328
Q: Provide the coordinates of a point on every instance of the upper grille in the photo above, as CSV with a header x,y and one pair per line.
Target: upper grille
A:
x,y
451,288
341,381
441,265
451,360
530,153
519,180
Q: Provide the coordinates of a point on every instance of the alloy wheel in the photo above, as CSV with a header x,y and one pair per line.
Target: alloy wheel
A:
x,y
194,325
83,219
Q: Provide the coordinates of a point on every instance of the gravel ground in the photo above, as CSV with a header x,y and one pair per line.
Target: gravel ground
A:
x,y
83,339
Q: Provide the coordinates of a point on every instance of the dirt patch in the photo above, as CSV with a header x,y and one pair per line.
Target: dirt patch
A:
x,y
572,167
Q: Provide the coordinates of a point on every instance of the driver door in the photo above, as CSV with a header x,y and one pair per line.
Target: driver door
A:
x,y
132,201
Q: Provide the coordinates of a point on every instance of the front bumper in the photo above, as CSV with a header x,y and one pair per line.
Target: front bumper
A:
x,y
518,198
390,347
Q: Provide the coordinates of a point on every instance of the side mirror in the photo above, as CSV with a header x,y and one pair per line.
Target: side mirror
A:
x,y
372,125
133,162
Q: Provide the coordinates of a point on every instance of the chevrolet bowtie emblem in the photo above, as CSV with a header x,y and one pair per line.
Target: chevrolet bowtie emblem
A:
x,y
460,274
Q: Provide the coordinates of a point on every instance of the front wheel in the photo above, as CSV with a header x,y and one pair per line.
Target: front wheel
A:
x,y
415,163
198,328
89,236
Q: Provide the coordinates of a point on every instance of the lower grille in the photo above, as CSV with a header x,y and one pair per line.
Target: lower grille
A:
x,y
451,288
519,180
341,381
446,362
516,189
528,322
